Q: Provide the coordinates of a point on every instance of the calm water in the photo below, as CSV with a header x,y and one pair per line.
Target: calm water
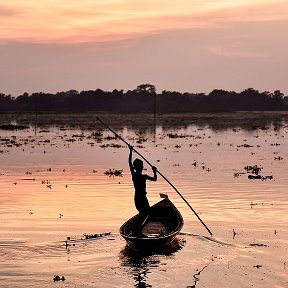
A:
x,y
53,188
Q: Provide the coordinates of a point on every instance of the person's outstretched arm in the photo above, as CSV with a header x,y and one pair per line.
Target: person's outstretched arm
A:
x,y
130,159
154,178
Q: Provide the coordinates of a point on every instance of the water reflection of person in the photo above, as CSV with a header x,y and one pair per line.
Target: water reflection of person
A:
x,y
139,181
139,266
144,266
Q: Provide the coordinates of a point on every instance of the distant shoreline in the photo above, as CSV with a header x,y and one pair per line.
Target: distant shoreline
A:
x,y
144,99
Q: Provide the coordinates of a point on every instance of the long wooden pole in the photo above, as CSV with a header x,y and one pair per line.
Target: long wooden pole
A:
x,y
159,174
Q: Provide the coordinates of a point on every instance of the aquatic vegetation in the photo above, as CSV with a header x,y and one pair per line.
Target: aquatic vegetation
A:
x,y
13,127
97,134
270,177
258,245
175,135
254,173
245,146
58,278
253,169
110,138
112,145
44,131
113,172
278,158
237,174
78,136
10,142
91,236
195,163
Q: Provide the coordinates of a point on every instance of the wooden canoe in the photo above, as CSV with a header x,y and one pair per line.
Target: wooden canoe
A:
x,y
159,229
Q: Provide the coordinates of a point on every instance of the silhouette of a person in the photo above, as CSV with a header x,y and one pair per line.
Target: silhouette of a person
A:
x,y
139,181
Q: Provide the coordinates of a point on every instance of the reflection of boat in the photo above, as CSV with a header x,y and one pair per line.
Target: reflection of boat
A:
x,y
142,265
159,229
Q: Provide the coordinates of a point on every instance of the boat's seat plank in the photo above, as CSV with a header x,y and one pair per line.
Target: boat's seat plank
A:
x,y
154,228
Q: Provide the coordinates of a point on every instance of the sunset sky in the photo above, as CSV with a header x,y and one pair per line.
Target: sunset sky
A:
x,y
185,45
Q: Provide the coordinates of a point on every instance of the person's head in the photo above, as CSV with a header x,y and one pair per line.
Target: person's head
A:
x,y
138,165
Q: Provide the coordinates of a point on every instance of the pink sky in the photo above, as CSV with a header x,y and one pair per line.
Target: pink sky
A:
x,y
185,45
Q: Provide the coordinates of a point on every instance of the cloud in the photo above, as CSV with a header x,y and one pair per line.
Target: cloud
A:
x,y
235,51
7,11
89,20
266,12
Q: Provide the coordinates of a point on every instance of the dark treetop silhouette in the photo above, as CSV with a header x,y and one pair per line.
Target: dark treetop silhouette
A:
x,y
144,99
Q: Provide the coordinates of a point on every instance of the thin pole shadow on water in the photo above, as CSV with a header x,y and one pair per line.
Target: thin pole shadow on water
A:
x,y
141,263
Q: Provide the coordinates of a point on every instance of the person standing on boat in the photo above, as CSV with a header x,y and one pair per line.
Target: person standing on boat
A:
x,y
139,181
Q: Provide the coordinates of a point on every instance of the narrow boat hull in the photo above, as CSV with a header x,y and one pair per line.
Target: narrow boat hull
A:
x,y
159,229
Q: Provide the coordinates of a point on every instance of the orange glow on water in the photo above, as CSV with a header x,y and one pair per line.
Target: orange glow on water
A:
x,y
49,200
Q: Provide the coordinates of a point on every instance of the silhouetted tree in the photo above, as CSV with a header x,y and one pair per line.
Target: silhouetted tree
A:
x,y
6,102
143,99
149,88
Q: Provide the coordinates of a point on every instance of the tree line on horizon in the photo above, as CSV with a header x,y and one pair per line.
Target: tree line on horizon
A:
x,y
145,99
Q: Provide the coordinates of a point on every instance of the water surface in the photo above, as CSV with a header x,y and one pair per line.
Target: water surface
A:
x,y
53,191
